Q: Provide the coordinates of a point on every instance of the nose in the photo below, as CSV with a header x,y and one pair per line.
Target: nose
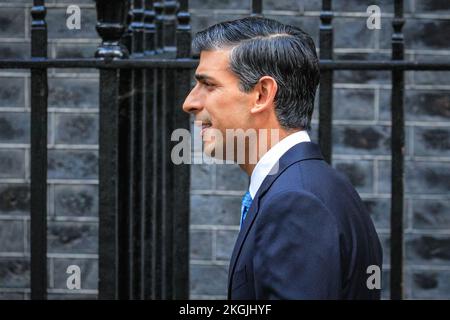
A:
x,y
192,103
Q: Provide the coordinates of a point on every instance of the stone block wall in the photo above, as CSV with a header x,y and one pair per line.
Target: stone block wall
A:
x,y
361,146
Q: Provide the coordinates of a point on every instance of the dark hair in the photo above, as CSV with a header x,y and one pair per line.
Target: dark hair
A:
x,y
265,47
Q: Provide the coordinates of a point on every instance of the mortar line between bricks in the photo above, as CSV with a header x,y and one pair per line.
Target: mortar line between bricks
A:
x,y
207,297
73,147
13,255
376,104
413,7
53,54
209,262
443,196
51,271
209,12
91,76
51,41
388,157
14,40
73,40
51,201
214,177
430,158
419,87
27,90
195,227
47,5
75,291
411,76
413,268
13,110
388,123
14,145
73,255
75,219
73,181
428,16
216,192
26,146
51,116
429,232
26,245
375,176
410,215
27,163
214,245
74,110
377,40
13,181
14,290
26,23
411,140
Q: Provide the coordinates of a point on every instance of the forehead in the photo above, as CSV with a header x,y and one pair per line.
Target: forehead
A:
x,y
214,63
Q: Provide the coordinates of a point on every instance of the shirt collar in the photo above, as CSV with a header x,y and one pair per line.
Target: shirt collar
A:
x,y
268,164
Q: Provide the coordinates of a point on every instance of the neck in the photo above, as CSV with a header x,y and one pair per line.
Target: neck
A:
x,y
260,149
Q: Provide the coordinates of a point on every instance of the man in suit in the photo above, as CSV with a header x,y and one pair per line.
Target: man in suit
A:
x,y
305,233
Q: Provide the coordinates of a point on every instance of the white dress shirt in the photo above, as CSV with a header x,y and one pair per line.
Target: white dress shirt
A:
x,y
268,164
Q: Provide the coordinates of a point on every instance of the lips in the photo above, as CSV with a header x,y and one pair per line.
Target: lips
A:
x,y
205,127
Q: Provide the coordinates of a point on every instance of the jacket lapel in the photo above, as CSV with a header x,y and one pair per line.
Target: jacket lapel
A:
x,y
299,152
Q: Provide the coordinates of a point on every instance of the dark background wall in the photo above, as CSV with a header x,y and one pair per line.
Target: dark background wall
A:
x,y
360,140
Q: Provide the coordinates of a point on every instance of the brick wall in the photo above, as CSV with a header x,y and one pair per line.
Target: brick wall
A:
x,y
72,155
361,139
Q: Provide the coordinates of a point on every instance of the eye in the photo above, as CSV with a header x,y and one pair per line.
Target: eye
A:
x,y
209,86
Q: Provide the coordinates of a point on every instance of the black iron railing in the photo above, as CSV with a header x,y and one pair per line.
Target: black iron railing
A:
x,y
38,154
145,72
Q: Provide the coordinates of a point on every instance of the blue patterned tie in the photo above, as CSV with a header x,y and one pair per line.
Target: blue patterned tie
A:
x,y
246,203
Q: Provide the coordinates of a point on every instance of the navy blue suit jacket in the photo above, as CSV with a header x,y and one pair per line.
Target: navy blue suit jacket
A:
x,y
307,235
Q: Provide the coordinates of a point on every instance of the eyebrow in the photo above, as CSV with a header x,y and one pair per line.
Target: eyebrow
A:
x,y
203,77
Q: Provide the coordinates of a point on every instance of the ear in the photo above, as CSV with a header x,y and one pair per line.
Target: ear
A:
x,y
265,91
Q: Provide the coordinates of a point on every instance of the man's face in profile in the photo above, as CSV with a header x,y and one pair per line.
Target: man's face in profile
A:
x,y
216,100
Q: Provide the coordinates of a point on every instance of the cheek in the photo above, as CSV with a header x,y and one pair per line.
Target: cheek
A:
x,y
227,110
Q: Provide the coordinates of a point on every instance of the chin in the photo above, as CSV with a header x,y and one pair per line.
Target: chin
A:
x,y
209,149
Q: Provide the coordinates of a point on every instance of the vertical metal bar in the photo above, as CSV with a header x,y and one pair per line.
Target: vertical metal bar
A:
x,y
326,81
137,26
397,150
158,164
125,163
111,16
38,155
158,169
148,245
257,8
108,199
169,20
181,174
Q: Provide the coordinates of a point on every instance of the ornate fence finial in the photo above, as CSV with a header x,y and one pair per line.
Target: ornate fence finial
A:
x,y
149,28
183,34
169,21
111,24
